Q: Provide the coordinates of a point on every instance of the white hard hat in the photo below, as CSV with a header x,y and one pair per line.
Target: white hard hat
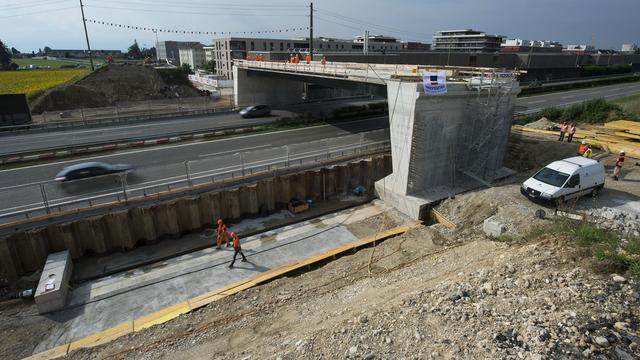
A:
x,y
621,152
584,142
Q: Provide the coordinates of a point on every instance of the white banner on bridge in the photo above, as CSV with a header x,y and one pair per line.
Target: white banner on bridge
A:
x,y
435,83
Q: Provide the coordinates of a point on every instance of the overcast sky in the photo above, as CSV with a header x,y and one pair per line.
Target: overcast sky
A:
x,y
32,24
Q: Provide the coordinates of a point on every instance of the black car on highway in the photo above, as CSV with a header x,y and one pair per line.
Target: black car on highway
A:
x,y
255,111
90,169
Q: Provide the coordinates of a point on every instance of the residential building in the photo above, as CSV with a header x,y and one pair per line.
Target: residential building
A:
x,y
209,54
466,41
579,49
169,50
537,46
629,48
225,50
192,54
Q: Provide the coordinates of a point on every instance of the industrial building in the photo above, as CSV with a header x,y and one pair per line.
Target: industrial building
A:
x,y
538,46
466,41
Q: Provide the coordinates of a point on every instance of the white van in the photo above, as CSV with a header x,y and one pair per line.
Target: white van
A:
x,y
565,179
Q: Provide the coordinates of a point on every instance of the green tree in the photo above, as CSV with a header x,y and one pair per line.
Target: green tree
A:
x,y
134,51
5,57
210,66
46,50
15,51
187,68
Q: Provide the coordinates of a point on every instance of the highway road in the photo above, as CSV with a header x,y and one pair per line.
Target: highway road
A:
x,y
530,104
162,164
26,141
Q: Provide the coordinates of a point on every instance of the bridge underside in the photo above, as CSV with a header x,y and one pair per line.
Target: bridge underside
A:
x,y
441,144
254,86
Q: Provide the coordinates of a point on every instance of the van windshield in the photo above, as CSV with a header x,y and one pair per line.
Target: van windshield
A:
x,y
551,177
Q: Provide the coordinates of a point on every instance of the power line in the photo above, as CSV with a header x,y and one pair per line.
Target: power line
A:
x,y
38,12
35,4
194,32
261,7
191,12
370,24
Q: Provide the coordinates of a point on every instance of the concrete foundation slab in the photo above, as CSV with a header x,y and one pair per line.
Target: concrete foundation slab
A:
x,y
110,301
52,290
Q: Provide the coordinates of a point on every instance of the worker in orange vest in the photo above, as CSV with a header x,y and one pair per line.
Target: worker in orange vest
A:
x,y
221,234
308,59
324,60
572,131
582,148
563,129
618,168
291,58
587,152
237,249
297,59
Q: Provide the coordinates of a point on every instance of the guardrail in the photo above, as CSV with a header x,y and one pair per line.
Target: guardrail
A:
x,y
117,117
50,197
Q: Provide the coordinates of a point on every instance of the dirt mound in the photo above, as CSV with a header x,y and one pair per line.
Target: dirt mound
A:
x,y
543,124
113,84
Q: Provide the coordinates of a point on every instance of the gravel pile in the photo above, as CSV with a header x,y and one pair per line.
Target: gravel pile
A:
x,y
543,124
616,220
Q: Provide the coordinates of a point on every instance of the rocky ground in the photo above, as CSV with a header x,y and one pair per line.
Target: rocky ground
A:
x,y
432,293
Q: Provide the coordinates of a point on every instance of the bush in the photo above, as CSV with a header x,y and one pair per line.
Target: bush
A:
x,y
598,70
591,111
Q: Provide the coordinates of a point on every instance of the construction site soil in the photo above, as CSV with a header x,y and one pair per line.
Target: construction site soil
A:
x,y
432,293
116,83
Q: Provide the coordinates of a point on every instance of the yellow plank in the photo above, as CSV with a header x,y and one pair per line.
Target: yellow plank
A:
x,y
204,300
441,219
627,135
237,289
56,352
103,336
623,125
160,317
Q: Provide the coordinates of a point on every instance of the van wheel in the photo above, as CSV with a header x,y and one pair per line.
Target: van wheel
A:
x,y
595,192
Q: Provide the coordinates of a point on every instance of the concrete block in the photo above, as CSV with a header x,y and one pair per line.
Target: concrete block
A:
x,y
493,227
230,204
90,233
205,209
188,214
166,219
52,290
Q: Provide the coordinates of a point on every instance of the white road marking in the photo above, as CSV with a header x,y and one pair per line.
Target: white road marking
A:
x,y
158,148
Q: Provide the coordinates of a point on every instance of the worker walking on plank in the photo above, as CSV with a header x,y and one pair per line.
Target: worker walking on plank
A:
x,y
582,148
563,129
572,131
618,168
221,234
237,249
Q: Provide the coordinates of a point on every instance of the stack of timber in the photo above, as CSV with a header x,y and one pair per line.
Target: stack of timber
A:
x,y
612,136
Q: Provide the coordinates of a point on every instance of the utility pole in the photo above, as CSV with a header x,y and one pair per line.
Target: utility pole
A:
x,y
86,35
157,46
311,30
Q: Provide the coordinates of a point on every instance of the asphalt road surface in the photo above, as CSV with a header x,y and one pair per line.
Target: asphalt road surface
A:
x,y
530,104
156,166
27,142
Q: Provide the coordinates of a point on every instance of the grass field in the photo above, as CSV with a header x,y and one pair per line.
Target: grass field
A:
x,y
630,104
32,82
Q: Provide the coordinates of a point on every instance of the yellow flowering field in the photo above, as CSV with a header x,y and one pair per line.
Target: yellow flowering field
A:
x,y
33,81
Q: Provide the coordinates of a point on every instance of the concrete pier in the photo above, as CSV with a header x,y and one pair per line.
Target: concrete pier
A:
x,y
444,144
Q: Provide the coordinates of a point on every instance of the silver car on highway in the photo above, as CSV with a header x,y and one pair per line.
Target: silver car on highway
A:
x,y
90,169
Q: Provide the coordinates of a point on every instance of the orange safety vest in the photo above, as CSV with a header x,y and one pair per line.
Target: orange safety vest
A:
x,y
563,128
236,241
572,129
308,59
620,162
587,153
582,149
